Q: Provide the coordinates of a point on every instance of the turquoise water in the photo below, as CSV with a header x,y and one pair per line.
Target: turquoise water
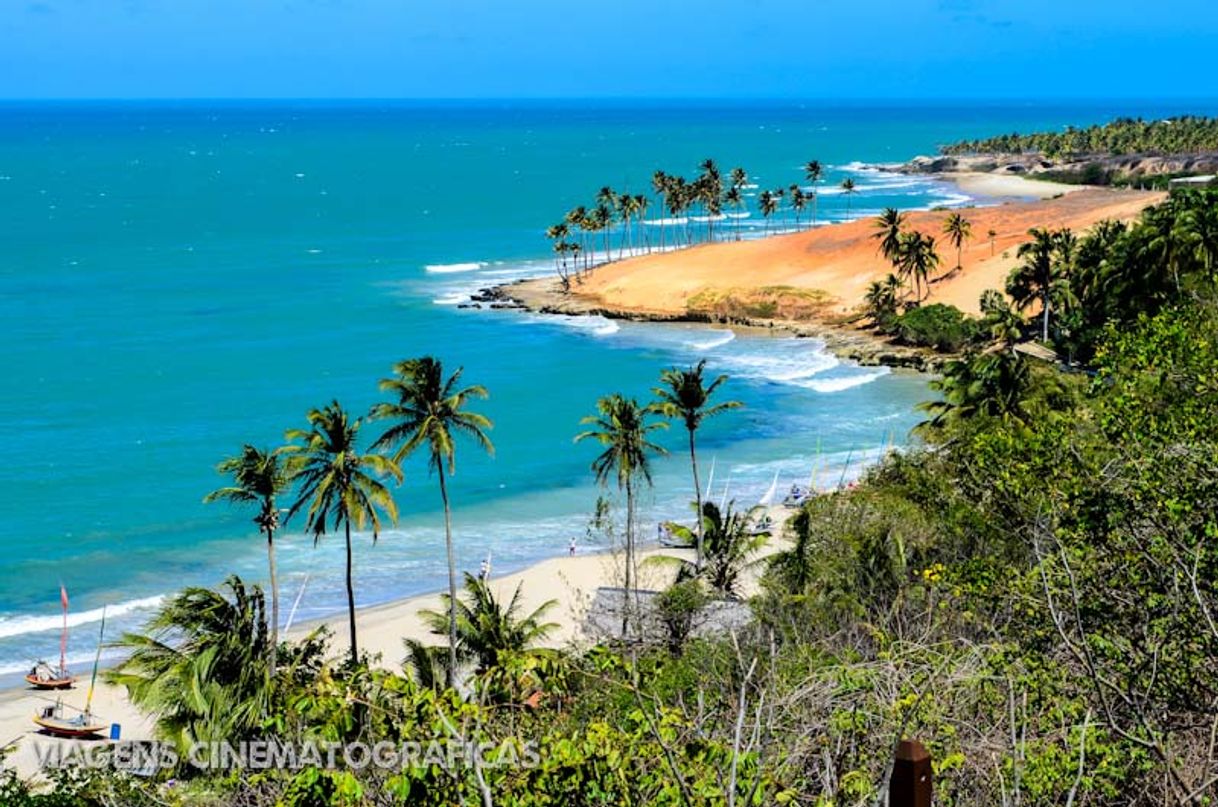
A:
x,y
176,280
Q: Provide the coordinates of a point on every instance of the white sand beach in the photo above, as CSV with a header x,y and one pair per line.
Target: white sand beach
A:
x,y
569,580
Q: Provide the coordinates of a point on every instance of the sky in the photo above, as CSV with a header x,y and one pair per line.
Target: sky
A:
x,y
865,49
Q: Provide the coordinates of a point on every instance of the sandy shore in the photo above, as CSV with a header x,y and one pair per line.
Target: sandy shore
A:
x,y
821,275
1007,186
569,580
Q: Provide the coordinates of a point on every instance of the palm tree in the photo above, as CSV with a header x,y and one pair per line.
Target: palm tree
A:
x,y
1004,323
259,477
339,485
918,259
959,231
684,394
889,225
848,188
710,194
732,541
992,234
768,205
577,217
640,205
621,426
882,298
813,171
200,666
602,221
624,205
487,630
558,234
798,202
991,385
659,184
735,198
431,410
1033,280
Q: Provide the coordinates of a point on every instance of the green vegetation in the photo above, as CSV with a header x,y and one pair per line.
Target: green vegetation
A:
x,y
681,202
942,327
1031,591
1182,135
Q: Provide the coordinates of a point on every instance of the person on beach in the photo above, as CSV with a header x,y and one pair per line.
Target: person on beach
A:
x,y
571,548
484,570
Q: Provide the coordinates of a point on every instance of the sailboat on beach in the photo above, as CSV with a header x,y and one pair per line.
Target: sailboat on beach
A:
x,y
45,676
54,719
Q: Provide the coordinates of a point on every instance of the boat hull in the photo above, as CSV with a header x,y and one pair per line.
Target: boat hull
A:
x,y
49,683
59,728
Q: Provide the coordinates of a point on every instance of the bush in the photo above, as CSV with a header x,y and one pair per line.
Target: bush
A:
x,y
943,327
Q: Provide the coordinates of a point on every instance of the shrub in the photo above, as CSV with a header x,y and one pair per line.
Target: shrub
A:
x,y
943,327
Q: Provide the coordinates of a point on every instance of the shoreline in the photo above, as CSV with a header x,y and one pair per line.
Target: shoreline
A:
x,y
819,274
570,581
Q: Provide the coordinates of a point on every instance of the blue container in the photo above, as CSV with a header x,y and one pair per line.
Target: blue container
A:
x,y
115,731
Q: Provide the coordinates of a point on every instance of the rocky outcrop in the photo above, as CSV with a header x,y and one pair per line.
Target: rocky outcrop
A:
x,y
867,348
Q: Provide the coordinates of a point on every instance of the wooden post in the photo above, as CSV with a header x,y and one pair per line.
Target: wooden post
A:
x,y
910,785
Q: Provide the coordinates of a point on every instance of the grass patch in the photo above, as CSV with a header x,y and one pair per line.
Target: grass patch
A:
x,y
762,302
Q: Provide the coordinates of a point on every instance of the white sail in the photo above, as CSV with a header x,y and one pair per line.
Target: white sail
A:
x,y
726,485
768,498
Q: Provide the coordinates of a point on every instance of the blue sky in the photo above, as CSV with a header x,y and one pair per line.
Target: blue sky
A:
x,y
623,48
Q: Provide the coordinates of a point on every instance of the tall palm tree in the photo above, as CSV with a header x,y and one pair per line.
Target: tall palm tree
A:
x,y
624,204
640,205
488,629
339,486
577,217
992,234
959,231
848,188
768,205
1034,279
602,221
798,202
659,184
735,198
558,234
813,171
711,192
918,259
889,226
622,427
684,394
259,477
430,410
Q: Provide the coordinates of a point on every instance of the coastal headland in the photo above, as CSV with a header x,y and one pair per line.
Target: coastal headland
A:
x,y
812,282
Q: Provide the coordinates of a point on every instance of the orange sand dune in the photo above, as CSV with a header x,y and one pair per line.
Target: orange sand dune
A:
x,y
841,260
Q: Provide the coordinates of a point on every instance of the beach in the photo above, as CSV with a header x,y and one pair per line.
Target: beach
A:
x,y
832,266
570,581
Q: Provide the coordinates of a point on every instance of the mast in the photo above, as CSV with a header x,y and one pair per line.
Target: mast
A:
x,y
96,661
63,635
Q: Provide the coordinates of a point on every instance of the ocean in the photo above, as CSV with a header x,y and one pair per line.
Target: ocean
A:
x,y
177,279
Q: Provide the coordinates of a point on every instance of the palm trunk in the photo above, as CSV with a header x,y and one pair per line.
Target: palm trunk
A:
x,y
452,583
693,461
1045,327
270,556
629,557
351,601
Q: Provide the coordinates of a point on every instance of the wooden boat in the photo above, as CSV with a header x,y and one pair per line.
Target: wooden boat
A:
x,y
55,721
43,675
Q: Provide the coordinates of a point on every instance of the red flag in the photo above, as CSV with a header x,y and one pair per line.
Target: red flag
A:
x,y
63,596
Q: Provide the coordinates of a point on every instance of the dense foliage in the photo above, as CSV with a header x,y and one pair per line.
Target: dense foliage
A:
x,y
1181,135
